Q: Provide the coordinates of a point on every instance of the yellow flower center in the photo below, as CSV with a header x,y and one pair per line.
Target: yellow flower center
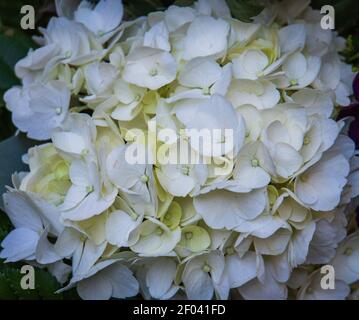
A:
x,y
255,163
206,268
159,231
189,235
153,72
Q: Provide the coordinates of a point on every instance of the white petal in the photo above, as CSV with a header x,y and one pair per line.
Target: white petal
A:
x,y
90,254
295,67
198,285
106,16
151,243
157,37
96,288
60,271
215,113
200,73
99,77
321,187
206,36
275,244
45,252
160,276
121,172
292,37
124,284
299,246
20,244
287,160
119,226
22,213
224,209
150,68
94,204
68,142
270,289
241,270
73,197
176,16
262,227
67,242
249,64
174,181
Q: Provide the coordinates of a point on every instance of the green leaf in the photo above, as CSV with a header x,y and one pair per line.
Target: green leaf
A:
x,y
346,14
12,49
11,151
7,77
14,45
183,3
244,10
10,11
6,127
5,225
6,293
138,8
10,275
46,285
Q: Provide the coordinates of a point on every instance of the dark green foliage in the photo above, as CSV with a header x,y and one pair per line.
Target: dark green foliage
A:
x,y
347,25
10,11
241,9
183,3
12,150
6,127
244,9
14,45
45,285
140,8
5,225
346,14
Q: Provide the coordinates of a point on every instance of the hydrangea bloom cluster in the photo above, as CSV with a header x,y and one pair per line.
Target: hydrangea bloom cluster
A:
x,y
261,230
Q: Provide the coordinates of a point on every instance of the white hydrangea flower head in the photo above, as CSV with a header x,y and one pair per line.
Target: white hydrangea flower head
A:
x,y
270,198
